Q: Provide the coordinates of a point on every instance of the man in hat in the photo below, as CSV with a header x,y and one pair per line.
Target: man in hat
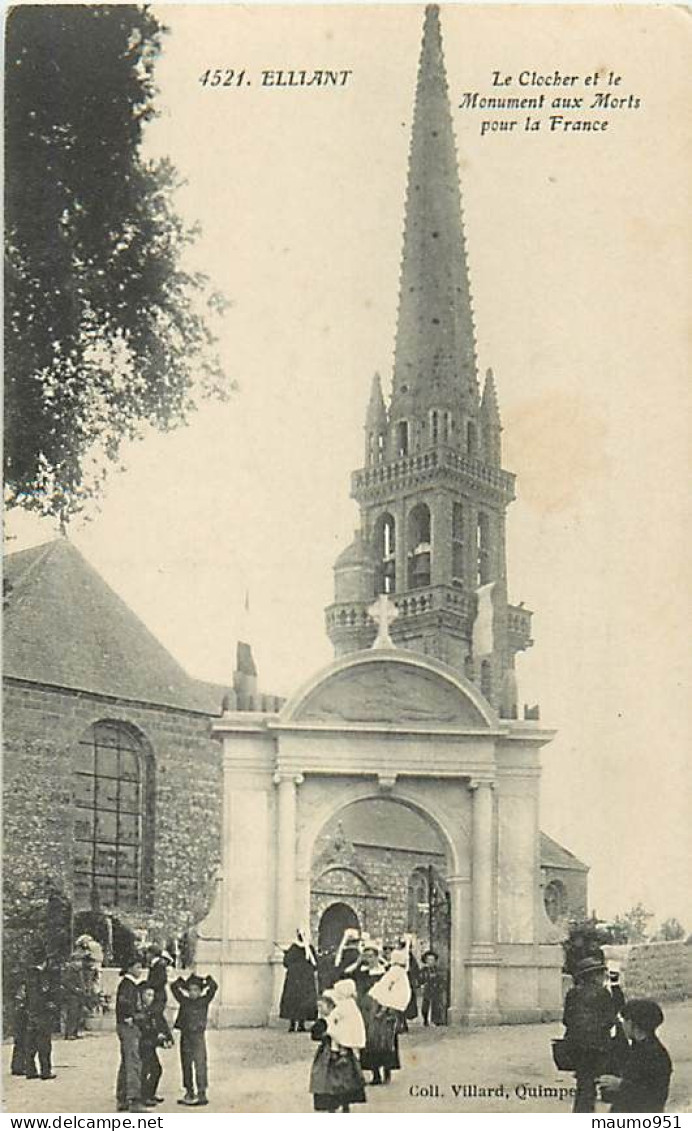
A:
x,y
589,1015
194,997
41,1014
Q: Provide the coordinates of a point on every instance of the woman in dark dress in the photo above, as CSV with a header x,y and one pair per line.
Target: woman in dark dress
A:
x,y
299,997
384,1009
381,1052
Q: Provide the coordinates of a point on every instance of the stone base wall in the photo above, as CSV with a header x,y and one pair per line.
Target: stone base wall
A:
x,y
661,970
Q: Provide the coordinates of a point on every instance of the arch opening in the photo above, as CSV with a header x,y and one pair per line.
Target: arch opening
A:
x,y
419,547
385,536
334,921
374,855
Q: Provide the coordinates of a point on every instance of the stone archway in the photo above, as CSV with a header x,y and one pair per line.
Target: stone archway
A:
x,y
385,726
362,848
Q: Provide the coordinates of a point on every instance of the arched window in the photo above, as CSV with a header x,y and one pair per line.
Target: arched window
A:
x,y
371,447
402,438
471,438
555,900
483,548
385,530
446,427
457,545
419,547
418,901
434,426
109,793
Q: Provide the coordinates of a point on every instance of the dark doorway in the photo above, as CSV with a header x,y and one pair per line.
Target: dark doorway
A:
x,y
333,923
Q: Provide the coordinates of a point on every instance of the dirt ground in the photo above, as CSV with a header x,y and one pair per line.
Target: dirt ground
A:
x,y
255,1070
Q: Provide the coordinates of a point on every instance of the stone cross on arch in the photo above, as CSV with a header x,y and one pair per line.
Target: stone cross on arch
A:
x,y
383,612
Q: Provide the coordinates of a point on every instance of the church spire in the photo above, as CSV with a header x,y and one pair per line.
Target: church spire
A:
x,y
435,355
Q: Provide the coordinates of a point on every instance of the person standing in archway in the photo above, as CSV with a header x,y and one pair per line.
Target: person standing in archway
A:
x,y
384,1007
299,997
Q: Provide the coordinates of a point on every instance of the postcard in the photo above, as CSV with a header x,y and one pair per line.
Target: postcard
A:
x,y
346,576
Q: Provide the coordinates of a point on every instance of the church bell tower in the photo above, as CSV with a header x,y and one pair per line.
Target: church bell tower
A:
x,y
432,492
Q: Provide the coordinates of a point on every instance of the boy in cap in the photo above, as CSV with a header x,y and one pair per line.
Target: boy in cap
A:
x,y
128,1006
194,997
645,1079
433,982
153,1035
589,1015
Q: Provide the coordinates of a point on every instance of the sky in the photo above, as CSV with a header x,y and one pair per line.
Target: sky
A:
x,y
580,281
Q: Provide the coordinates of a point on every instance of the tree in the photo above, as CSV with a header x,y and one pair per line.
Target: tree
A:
x,y
106,332
671,930
36,910
631,927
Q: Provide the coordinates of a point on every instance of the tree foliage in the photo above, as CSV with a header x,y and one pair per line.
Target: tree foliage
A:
x,y
671,930
106,332
632,926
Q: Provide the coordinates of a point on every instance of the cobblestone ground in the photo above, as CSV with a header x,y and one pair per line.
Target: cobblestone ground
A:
x,y
267,1071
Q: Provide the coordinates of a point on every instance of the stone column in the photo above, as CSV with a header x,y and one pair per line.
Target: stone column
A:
x,y
483,961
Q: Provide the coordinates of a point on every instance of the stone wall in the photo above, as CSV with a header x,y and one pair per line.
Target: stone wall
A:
x,y
661,970
382,902
42,727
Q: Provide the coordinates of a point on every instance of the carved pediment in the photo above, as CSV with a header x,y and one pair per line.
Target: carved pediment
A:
x,y
393,693
337,851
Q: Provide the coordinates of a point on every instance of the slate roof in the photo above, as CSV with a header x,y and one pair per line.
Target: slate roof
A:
x,y
553,855
379,824
65,627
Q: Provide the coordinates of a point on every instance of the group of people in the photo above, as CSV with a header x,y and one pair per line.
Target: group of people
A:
x,y
142,1030
50,996
48,991
610,1043
359,999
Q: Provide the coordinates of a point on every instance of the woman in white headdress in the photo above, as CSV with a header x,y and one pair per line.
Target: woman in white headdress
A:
x,y
336,1079
299,996
383,1010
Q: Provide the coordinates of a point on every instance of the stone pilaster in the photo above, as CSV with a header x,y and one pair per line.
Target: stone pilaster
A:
x,y
287,913
483,962
459,896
